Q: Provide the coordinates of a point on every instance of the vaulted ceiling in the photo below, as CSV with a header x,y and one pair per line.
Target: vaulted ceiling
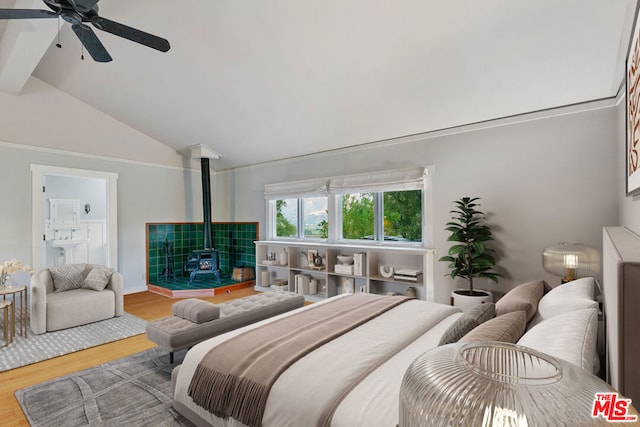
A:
x,y
262,80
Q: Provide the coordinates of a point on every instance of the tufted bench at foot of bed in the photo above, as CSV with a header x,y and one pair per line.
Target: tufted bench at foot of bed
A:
x,y
196,320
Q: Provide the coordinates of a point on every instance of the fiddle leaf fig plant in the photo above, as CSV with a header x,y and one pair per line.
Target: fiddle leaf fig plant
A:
x,y
470,257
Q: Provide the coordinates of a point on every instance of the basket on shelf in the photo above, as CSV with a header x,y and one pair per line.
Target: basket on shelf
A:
x,y
241,274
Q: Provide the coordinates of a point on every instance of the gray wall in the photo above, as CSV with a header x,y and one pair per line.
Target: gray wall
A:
x,y
541,181
145,194
629,206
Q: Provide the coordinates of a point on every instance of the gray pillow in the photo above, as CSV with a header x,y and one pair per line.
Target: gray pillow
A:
x,y
483,312
98,278
523,297
467,322
195,310
67,277
506,328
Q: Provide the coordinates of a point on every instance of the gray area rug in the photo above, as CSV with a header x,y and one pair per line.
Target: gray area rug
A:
x,y
36,348
132,391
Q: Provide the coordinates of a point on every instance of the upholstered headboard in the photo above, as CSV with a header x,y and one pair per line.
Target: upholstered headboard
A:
x,y
621,288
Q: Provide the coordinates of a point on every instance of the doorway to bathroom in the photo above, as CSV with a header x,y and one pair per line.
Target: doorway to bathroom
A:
x,y
74,216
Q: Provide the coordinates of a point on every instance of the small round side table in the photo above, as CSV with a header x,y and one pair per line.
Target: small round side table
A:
x,y
9,321
18,293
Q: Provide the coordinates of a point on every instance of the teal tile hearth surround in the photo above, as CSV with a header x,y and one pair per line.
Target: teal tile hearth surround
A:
x,y
234,242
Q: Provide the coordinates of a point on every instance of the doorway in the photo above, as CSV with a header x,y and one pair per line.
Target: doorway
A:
x,y
74,216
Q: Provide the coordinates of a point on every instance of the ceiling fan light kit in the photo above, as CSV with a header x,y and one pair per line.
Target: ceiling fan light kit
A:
x,y
76,12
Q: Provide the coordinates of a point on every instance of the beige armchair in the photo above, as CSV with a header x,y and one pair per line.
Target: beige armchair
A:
x,y
53,308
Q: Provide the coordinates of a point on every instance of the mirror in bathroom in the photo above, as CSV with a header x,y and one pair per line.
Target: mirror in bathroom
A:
x,y
64,211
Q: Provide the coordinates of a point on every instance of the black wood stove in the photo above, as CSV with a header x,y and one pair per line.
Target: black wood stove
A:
x,y
204,261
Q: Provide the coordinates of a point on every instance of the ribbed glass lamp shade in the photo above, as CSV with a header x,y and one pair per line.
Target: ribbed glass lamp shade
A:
x,y
496,384
571,260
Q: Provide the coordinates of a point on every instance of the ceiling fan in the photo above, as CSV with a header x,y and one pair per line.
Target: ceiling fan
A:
x,y
75,12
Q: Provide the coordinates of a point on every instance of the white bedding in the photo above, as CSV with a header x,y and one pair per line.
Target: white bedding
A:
x,y
306,393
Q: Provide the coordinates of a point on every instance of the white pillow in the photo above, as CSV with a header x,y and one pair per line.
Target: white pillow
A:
x,y
570,336
575,295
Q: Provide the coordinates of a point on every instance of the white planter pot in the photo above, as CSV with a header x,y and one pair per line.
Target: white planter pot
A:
x,y
466,301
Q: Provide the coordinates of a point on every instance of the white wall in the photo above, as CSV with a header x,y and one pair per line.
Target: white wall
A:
x,y
541,182
47,117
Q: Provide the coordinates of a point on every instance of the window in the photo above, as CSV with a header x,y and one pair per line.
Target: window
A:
x,y
377,207
403,215
389,216
306,217
358,216
315,217
286,218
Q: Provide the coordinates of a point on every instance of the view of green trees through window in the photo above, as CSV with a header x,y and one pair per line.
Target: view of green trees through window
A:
x,y
287,218
314,217
402,216
357,216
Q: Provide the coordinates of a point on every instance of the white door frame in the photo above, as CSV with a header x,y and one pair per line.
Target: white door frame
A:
x,y
38,173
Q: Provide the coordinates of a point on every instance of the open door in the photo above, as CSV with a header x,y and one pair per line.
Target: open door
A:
x,y
74,216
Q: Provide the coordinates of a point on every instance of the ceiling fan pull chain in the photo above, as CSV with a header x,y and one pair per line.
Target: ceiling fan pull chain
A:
x,y
82,45
58,45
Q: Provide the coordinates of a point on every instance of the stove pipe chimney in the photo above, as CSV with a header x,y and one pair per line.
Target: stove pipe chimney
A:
x,y
206,202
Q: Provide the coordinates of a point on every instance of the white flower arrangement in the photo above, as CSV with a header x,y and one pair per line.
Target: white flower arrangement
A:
x,y
12,266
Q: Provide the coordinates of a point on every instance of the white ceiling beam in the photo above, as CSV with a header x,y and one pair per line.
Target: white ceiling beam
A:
x,y
22,46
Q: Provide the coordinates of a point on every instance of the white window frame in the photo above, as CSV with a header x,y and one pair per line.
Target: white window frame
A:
x,y
378,231
375,182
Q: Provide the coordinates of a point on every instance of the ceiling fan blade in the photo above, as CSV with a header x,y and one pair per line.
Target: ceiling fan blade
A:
x,y
26,13
91,42
130,33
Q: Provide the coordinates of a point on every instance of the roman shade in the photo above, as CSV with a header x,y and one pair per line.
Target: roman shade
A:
x,y
295,189
392,180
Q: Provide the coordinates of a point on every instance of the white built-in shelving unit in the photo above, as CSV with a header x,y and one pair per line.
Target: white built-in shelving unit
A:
x,y
276,268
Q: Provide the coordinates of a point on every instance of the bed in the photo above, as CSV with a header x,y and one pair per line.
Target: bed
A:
x,y
354,379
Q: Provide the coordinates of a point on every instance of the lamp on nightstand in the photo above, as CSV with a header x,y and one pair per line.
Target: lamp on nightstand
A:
x,y
571,260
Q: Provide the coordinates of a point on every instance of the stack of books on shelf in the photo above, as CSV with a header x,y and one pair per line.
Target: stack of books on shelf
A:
x,y
344,269
408,275
359,264
301,284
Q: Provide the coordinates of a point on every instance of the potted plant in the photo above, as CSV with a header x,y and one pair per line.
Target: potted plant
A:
x,y
470,257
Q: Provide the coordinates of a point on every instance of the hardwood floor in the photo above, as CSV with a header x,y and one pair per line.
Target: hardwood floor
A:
x,y
145,305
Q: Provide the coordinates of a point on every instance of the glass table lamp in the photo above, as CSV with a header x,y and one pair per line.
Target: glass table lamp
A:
x,y
571,260
496,384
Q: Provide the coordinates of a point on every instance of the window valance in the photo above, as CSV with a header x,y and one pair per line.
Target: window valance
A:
x,y
306,188
393,180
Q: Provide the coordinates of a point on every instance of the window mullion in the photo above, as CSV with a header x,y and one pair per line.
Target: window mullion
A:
x,y
378,217
300,218
334,218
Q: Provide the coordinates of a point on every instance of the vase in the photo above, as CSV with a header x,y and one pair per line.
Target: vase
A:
x,y
5,280
313,287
